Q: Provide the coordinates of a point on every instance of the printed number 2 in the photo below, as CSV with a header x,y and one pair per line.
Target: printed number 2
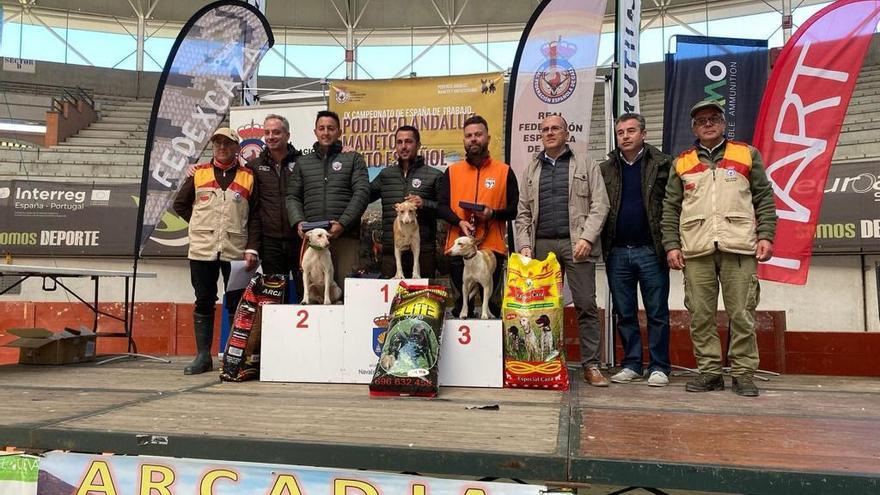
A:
x,y
384,291
303,318
465,335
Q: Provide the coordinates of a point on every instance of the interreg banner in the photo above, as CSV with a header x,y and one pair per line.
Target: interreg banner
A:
x,y
629,22
554,73
217,49
801,116
727,70
67,473
18,474
371,112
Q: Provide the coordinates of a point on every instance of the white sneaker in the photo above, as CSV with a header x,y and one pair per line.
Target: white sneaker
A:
x,y
625,375
657,379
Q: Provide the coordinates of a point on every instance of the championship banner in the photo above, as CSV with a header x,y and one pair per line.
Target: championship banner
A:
x,y
68,473
628,26
371,111
42,218
554,72
800,120
730,71
216,51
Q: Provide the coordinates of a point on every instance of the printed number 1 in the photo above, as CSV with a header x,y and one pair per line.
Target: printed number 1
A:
x,y
465,332
384,291
303,318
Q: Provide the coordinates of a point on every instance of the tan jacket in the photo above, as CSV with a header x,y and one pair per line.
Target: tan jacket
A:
x,y
587,201
219,218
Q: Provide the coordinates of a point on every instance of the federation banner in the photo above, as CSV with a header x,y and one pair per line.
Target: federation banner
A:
x,y
801,116
730,71
626,78
554,72
67,473
216,51
371,111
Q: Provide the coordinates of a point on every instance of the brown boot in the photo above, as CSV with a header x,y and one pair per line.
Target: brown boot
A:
x,y
594,376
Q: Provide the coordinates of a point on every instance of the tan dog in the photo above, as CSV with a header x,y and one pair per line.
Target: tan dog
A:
x,y
479,264
317,267
531,339
406,237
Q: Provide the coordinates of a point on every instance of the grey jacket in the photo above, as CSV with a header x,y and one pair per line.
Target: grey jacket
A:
x,y
587,200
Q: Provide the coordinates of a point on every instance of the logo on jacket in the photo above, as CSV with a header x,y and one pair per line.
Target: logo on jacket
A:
x,y
490,183
417,183
237,197
337,166
555,79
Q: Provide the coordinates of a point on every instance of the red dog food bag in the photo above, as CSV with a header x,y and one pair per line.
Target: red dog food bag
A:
x,y
241,359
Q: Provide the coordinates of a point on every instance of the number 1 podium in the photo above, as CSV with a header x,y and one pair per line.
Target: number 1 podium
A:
x,y
342,343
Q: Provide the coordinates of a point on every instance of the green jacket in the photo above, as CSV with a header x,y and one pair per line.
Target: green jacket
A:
x,y
333,187
717,225
655,175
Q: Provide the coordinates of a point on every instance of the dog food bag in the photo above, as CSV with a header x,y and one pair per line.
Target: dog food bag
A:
x,y
411,348
532,318
241,359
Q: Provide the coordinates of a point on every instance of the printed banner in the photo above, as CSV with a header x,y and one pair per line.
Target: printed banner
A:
x,y
626,77
217,49
850,217
66,473
248,122
554,72
41,218
730,71
18,474
371,111
801,116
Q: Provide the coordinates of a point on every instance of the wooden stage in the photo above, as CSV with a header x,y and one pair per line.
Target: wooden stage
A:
x,y
803,435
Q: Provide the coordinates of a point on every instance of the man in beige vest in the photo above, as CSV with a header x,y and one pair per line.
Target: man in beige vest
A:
x,y
216,200
719,220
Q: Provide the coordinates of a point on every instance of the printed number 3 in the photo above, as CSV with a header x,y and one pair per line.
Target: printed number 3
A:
x,y
303,318
465,335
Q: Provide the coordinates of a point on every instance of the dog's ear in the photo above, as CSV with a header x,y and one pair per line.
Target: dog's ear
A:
x,y
396,206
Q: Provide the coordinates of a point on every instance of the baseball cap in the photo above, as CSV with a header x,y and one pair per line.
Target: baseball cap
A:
x,y
226,132
707,104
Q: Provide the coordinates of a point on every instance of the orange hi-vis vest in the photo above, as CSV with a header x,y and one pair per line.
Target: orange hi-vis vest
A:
x,y
486,185
717,210
219,218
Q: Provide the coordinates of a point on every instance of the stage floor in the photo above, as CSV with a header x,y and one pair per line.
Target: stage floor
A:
x,y
804,434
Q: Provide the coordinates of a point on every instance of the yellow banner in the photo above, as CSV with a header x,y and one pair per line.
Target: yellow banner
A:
x,y
371,111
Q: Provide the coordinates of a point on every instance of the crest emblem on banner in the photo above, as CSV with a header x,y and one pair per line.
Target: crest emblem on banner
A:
x,y
341,95
251,141
555,79
380,330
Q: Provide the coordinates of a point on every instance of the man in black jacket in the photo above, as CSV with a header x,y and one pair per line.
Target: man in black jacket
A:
x,y
330,185
279,245
635,177
408,180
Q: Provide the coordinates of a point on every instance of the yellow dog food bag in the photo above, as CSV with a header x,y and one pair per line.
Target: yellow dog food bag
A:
x,y
532,316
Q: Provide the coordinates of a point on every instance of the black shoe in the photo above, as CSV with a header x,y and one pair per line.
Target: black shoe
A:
x,y
705,383
744,386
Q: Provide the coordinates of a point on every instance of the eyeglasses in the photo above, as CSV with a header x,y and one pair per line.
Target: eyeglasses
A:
x,y
553,128
714,120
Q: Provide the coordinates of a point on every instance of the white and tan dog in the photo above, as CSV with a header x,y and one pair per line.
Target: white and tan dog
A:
x,y
406,237
479,264
531,339
317,268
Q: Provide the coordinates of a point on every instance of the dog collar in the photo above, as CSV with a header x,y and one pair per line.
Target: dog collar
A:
x,y
471,256
319,248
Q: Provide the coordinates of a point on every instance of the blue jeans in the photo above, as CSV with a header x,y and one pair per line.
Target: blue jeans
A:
x,y
630,269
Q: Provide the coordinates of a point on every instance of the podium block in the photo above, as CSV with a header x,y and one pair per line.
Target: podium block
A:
x,y
367,302
302,343
472,354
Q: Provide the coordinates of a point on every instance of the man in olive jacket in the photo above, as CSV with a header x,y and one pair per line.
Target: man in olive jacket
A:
x,y
719,221
330,185
562,206
408,180
635,177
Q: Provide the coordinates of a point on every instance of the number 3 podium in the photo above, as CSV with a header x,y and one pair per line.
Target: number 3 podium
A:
x,y
342,343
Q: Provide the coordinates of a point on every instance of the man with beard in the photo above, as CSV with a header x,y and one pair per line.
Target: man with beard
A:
x,y
330,185
414,181
279,245
478,196
217,201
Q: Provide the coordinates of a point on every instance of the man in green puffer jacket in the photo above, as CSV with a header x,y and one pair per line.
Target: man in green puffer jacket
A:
x,y
330,185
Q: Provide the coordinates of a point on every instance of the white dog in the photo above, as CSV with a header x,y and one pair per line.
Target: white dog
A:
x,y
317,267
479,264
406,237
531,339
